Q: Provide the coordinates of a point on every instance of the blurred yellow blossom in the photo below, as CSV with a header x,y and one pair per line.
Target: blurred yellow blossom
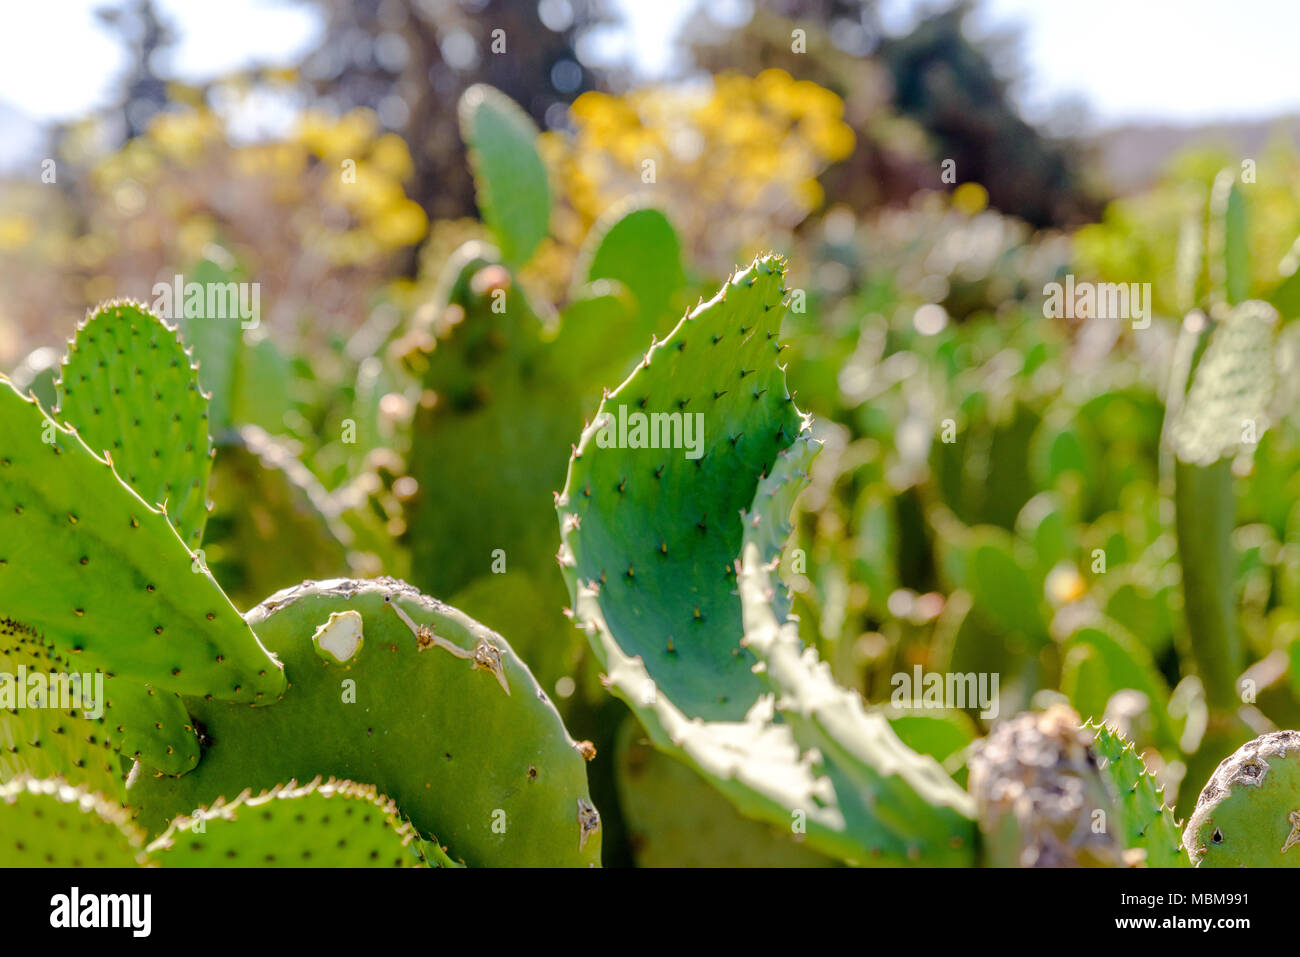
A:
x,y
970,198
728,161
15,232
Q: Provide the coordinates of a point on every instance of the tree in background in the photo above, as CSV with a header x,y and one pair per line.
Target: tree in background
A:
x,y
947,82
144,35
936,76
410,61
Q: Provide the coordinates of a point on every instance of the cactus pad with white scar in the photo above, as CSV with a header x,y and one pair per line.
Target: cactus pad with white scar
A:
x,y
338,639
431,729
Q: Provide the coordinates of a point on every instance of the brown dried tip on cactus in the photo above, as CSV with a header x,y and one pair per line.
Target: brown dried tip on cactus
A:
x,y
1042,800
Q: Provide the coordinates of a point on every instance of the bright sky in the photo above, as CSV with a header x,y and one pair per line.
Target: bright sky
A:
x,y
1181,60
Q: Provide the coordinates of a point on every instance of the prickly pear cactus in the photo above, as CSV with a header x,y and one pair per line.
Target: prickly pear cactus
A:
x,y
635,246
283,827
664,586
103,576
509,177
50,823
269,527
82,744
652,530
1229,393
1043,799
1149,823
45,742
494,420
130,389
413,697
1248,815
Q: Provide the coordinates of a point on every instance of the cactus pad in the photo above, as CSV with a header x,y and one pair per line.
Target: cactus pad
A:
x,y
131,391
433,709
650,538
654,534
1149,823
331,824
1248,815
49,823
510,180
104,576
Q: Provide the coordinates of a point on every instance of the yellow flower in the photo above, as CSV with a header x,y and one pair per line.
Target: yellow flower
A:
x,y
15,232
402,224
970,198
391,155
185,136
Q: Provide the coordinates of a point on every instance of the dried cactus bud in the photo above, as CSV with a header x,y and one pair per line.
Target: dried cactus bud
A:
x,y
1042,800
1248,815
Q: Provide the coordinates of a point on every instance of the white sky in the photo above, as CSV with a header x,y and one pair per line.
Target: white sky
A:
x,y
1180,60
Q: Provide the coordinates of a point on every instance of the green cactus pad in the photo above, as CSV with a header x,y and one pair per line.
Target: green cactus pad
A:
x,y
676,819
136,721
132,393
150,726
1002,587
899,804
654,534
216,344
1231,386
1149,823
49,823
636,245
269,526
499,420
513,194
1248,815
447,722
331,824
104,576
650,539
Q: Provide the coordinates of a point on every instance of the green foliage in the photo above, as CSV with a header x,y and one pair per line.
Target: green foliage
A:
x,y
636,246
1228,397
1093,514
